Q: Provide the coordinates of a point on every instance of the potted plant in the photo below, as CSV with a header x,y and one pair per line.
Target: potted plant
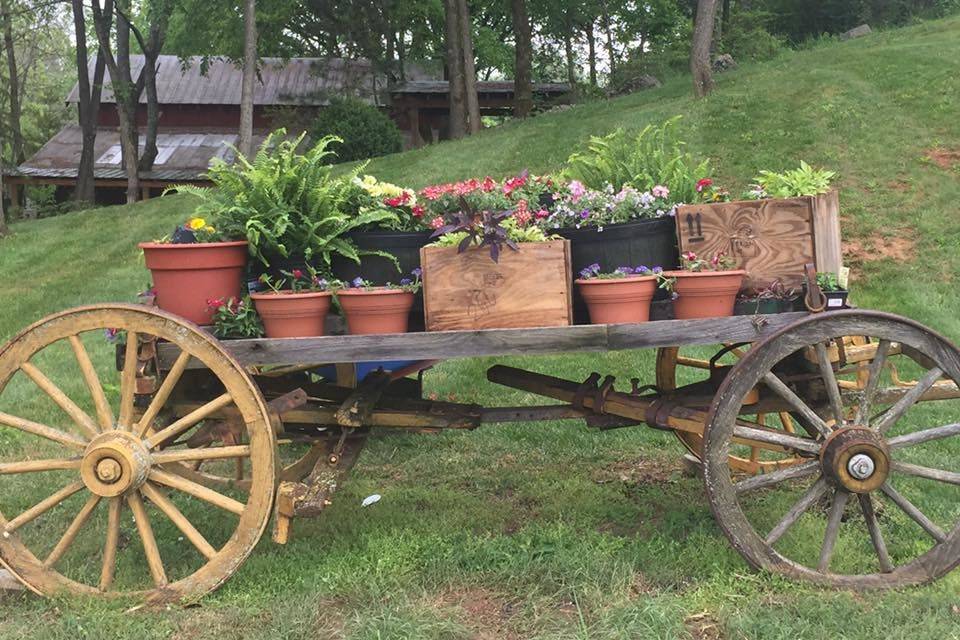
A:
x,y
235,319
704,288
299,311
775,298
372,309
197,263
835,294
619,296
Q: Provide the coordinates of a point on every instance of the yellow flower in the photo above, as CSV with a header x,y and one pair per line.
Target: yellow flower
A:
x,y
195,224
209,229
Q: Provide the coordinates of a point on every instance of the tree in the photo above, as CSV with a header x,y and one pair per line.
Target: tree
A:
x,y
523,66
4,230
700,51
13,80
249,77
455,71
88,104
474,123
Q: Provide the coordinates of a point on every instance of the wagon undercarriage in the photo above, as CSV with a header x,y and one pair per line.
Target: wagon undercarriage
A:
x,y
815,402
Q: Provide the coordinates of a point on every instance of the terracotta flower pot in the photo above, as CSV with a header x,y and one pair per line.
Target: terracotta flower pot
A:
x,y
185,276
378,310
618,300
293,315
705,294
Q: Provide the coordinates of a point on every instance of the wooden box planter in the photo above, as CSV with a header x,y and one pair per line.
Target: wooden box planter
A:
x,y
527,288
770,239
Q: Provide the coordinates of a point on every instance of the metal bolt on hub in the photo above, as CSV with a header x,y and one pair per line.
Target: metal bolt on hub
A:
x,y
861,466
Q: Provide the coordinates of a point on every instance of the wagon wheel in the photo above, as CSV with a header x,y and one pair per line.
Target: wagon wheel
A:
x,y
61,441
669,359
874,487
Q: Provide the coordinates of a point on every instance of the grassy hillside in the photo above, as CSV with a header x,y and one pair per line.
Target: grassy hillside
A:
x,y
552,531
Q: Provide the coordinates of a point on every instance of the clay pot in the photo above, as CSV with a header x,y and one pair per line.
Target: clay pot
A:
x,y
378,310
618,300
186,276
293,315
705,294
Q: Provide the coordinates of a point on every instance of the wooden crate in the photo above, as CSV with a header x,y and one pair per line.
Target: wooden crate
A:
x,y
771,239
527,288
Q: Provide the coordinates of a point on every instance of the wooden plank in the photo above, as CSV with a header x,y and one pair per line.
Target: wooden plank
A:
x,y
445,345
470,291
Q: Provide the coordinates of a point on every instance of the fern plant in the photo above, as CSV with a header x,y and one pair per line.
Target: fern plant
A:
x,y
286,203
802,181
654,156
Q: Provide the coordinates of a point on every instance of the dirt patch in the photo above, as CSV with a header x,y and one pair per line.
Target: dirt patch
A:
x,y
639,472
899,185
944,158
858,251
703,626
485,613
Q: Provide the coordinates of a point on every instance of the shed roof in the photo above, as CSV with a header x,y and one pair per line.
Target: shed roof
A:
x,y
184,154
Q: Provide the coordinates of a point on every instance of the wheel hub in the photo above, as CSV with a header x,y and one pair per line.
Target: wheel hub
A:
x,y
856,459
114,463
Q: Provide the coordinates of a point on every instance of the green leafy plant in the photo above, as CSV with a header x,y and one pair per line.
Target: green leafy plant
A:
x,y
300,281
361,130
411,284
802,181
235,319
828,282
287,203
487,229
653,157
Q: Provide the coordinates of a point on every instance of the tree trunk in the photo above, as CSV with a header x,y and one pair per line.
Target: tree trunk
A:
x,y
523,77
458,102
469,69
700,51
591,53
725,16
127,97
249,77
13,77
88,105
149,75
608,32
571,67
4,230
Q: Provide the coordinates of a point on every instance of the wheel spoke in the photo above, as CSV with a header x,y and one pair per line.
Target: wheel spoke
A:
x,y
812,494
785,392
42,507
196,490
163,393
866,505
208,453
830,382
128,381
910,398
915,514
833,528
927,435
780,438
926,472
109,567
35,466
775,477
104,412
72,531
150,548
176,516
873,379
42,430
188,421
78,415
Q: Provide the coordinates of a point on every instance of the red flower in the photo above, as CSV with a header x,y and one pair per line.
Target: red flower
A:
x,y
297,274
437,222
418,211
513,184
703,184
489,184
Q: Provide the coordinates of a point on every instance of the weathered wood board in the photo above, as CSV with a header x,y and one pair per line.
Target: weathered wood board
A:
x,y
771,239
531,287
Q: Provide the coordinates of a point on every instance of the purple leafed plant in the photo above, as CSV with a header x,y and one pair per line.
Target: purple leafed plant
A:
x,y
483,228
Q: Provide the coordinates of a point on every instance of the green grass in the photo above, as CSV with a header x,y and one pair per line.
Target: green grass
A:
x,y
551,530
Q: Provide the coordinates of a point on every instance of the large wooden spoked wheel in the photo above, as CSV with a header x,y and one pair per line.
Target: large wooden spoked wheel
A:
x,y
875,504
671,363
90,501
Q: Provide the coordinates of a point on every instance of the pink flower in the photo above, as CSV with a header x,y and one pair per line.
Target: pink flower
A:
x,y
541,214
577,190
522,214
689,256
489,184
513,184
703,184
660,191
418,211
437,222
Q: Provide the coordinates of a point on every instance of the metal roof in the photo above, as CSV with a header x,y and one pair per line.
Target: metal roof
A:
x,y
297,81
505,87
184,154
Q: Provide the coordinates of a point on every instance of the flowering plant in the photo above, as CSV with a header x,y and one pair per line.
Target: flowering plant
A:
x,y
410,285
689,261
487,229
234,318
802,181
593,272
299,281
408,214
526,196
194,230
575,205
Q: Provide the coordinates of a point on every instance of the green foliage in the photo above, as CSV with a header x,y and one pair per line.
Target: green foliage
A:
x,y
285,202
746,37
361,130
828,282
515,232
802,181
655,156
236,319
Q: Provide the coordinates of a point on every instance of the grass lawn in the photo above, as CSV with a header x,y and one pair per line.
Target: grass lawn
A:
x,y
552,530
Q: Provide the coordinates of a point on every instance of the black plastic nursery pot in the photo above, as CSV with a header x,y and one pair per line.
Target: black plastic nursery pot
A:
x,y
761,306
652,243
836,299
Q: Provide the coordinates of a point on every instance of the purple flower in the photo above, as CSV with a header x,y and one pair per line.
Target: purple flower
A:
x,y
658,270
320,282
624,271
405,282
585,214
641,269
358,282
417,273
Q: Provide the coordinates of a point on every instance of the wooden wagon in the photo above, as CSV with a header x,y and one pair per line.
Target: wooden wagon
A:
x,y
819,407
